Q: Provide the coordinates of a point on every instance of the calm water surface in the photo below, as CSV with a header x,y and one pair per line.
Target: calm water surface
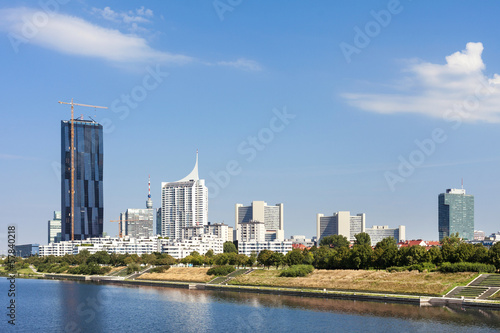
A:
x,y
64,306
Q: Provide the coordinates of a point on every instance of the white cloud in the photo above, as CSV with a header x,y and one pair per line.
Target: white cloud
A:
x,y
138,16
458,89
73,35
241,63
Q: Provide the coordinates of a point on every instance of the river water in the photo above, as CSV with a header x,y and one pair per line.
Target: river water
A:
x,y
66,306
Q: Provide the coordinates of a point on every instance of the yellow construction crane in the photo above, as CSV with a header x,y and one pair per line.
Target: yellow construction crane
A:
x,y
120,225
72,149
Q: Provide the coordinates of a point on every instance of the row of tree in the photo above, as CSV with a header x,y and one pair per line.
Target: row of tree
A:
x,y
334,252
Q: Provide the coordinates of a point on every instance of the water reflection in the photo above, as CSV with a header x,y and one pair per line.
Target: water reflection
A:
x,y
255,319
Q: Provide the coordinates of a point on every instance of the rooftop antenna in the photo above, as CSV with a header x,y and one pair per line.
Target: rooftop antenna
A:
x,y
462,183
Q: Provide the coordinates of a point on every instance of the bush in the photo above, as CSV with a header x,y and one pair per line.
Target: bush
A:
x,y
221,270
393,269
466,267
297,270
160,269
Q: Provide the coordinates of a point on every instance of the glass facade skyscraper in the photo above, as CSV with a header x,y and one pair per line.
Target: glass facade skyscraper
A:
x,y
456,214
88,211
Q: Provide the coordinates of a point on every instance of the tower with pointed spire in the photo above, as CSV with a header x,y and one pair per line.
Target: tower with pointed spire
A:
x,y
149,202
184,203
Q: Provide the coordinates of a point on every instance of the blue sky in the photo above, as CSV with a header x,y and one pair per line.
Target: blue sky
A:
x,y
385,104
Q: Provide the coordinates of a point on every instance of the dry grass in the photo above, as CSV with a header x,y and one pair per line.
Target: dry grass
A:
x,y
114,269
185,274
373,281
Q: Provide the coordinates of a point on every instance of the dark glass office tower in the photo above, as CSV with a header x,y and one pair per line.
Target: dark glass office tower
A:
x,y
89,212
456,214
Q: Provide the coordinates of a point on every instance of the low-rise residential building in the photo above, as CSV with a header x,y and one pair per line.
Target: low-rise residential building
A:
x,y
301,240
182,248
130,245
247,248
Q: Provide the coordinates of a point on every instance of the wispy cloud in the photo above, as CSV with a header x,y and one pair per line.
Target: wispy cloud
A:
x,y
242,63
460,88
8,157
73,35
131,18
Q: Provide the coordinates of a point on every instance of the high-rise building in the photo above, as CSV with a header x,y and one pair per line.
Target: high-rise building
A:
x,y
139,222
184,203
88,179
456,214
54,230
271,216
340,223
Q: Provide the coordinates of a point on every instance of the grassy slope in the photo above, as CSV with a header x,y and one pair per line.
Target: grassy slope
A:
x,y
374,281
186,274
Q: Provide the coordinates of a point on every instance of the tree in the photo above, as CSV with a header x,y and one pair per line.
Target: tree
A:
x,y
434,255
241,260
221,259
264,258
334,241
230,247
100,257
148,259
494,255
210,253
294,257
363,239
385,253
252,259
277,259
361,255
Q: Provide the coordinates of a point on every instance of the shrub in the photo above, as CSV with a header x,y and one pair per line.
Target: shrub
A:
x,y
466,267
393,269
221,270
160,269
297,270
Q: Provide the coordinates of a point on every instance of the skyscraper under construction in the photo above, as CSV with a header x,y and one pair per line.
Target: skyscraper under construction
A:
x,y
88,179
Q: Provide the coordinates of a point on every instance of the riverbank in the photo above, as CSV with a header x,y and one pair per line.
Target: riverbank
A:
x,y
371,296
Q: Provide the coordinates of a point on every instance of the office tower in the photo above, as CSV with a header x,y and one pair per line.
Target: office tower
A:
x,y
139,222
54,228
88,179
259,211
184,203
456,214
340,223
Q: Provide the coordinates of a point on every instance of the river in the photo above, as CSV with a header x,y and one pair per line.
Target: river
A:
x,y
67,306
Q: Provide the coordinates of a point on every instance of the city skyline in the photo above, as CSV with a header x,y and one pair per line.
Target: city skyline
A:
x,y
323,108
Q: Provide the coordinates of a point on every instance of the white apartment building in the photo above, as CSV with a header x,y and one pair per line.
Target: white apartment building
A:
x,y
378,232
184,203
271,216
182,248
247,248
252,231
340,223
219,230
